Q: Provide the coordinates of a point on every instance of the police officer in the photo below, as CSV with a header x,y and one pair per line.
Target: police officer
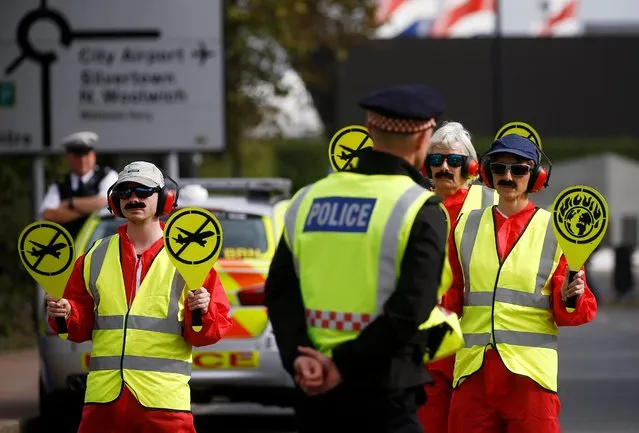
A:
x,y
83,190
357,271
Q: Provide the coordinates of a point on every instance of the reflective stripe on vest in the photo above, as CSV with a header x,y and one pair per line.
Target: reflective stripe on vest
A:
x,y
141,344
169,325
507,303
479,197
387,273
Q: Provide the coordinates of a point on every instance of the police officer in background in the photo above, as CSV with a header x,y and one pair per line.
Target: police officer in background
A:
x,y
356,273
83,190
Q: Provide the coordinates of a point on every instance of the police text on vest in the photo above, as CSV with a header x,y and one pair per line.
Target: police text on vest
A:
x,y
340,214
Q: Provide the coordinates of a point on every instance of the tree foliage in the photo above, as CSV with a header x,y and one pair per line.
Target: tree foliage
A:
x,y
264,38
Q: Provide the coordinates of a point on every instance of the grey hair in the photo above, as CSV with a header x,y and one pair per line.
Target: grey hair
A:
x,y
450,134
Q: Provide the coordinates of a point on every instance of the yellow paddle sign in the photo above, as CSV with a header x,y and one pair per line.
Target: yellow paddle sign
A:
x,y
580,220
520,128
345,145
193,239
47,252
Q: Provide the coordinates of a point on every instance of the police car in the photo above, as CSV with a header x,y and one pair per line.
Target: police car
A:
x,y
245,365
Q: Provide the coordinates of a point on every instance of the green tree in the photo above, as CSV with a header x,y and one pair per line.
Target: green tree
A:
x,y
265,37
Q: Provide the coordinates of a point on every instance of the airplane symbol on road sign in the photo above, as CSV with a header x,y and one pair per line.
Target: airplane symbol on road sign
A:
x,y
203,53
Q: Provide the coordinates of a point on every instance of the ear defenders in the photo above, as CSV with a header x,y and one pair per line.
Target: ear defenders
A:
x,y
539,177
167,198
469,168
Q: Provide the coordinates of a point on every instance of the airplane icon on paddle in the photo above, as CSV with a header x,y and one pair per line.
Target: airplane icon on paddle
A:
x,y
348,153
53,250
198,238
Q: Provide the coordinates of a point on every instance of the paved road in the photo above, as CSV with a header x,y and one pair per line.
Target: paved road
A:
x,y
599,385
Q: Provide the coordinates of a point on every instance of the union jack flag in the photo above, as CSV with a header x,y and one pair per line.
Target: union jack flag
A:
x,y
562,19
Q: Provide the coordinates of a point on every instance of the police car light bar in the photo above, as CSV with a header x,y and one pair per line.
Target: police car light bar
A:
x,y
257,184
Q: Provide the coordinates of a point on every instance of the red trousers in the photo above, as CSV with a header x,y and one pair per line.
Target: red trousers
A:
x,y
127,415
433,416
494,400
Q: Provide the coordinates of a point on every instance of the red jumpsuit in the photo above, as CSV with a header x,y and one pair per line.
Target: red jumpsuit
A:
x,y
494,399
433,415
126,414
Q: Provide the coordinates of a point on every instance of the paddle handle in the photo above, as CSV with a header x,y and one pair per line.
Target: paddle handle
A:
x,y
571,302
196,319
63,332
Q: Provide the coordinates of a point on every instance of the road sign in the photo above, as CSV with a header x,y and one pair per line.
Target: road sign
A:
x,y
143,78
47,253
580,220
193,239
345,145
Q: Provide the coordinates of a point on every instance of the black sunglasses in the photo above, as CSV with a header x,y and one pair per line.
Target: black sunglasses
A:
x,y
453,160
125,193
499,168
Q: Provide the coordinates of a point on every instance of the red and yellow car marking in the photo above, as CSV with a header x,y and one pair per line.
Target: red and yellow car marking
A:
x,y
248,321
209,360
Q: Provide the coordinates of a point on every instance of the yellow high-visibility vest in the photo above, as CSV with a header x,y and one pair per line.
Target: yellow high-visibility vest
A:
x,y
347,234
507,305
479,197
142,347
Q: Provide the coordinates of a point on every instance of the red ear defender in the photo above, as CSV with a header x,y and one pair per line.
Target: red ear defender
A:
x,y
422,170
113,203
169,201
538,179
484,174
472,169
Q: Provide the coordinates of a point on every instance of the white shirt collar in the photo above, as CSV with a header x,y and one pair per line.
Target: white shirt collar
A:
x,y
75,180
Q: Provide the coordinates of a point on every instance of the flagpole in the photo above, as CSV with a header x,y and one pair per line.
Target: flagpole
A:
x,y
496,59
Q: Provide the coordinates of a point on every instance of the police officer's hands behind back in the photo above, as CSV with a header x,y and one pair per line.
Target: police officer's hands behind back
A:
x,y
309,374
330,375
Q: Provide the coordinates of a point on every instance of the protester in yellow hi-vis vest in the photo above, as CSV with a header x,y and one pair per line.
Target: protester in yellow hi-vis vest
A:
x,y
510,286
453,166
357,272
128,298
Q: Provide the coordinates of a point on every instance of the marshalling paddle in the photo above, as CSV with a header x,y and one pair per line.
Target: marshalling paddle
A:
x,y
345,145
47,252
580,220
193,239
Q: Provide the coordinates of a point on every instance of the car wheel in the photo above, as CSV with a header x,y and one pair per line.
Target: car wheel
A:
x,y
59,405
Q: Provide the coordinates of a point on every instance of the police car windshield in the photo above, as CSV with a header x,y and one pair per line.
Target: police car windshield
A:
x,y
241,231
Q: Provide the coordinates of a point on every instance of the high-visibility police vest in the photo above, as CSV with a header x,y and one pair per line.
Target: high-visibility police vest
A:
x,y
479,197
347,234
142,347
507,304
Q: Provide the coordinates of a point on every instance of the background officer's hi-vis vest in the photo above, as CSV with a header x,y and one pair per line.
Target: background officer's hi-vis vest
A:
x,y
347,234
479,197
507,305
143,346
